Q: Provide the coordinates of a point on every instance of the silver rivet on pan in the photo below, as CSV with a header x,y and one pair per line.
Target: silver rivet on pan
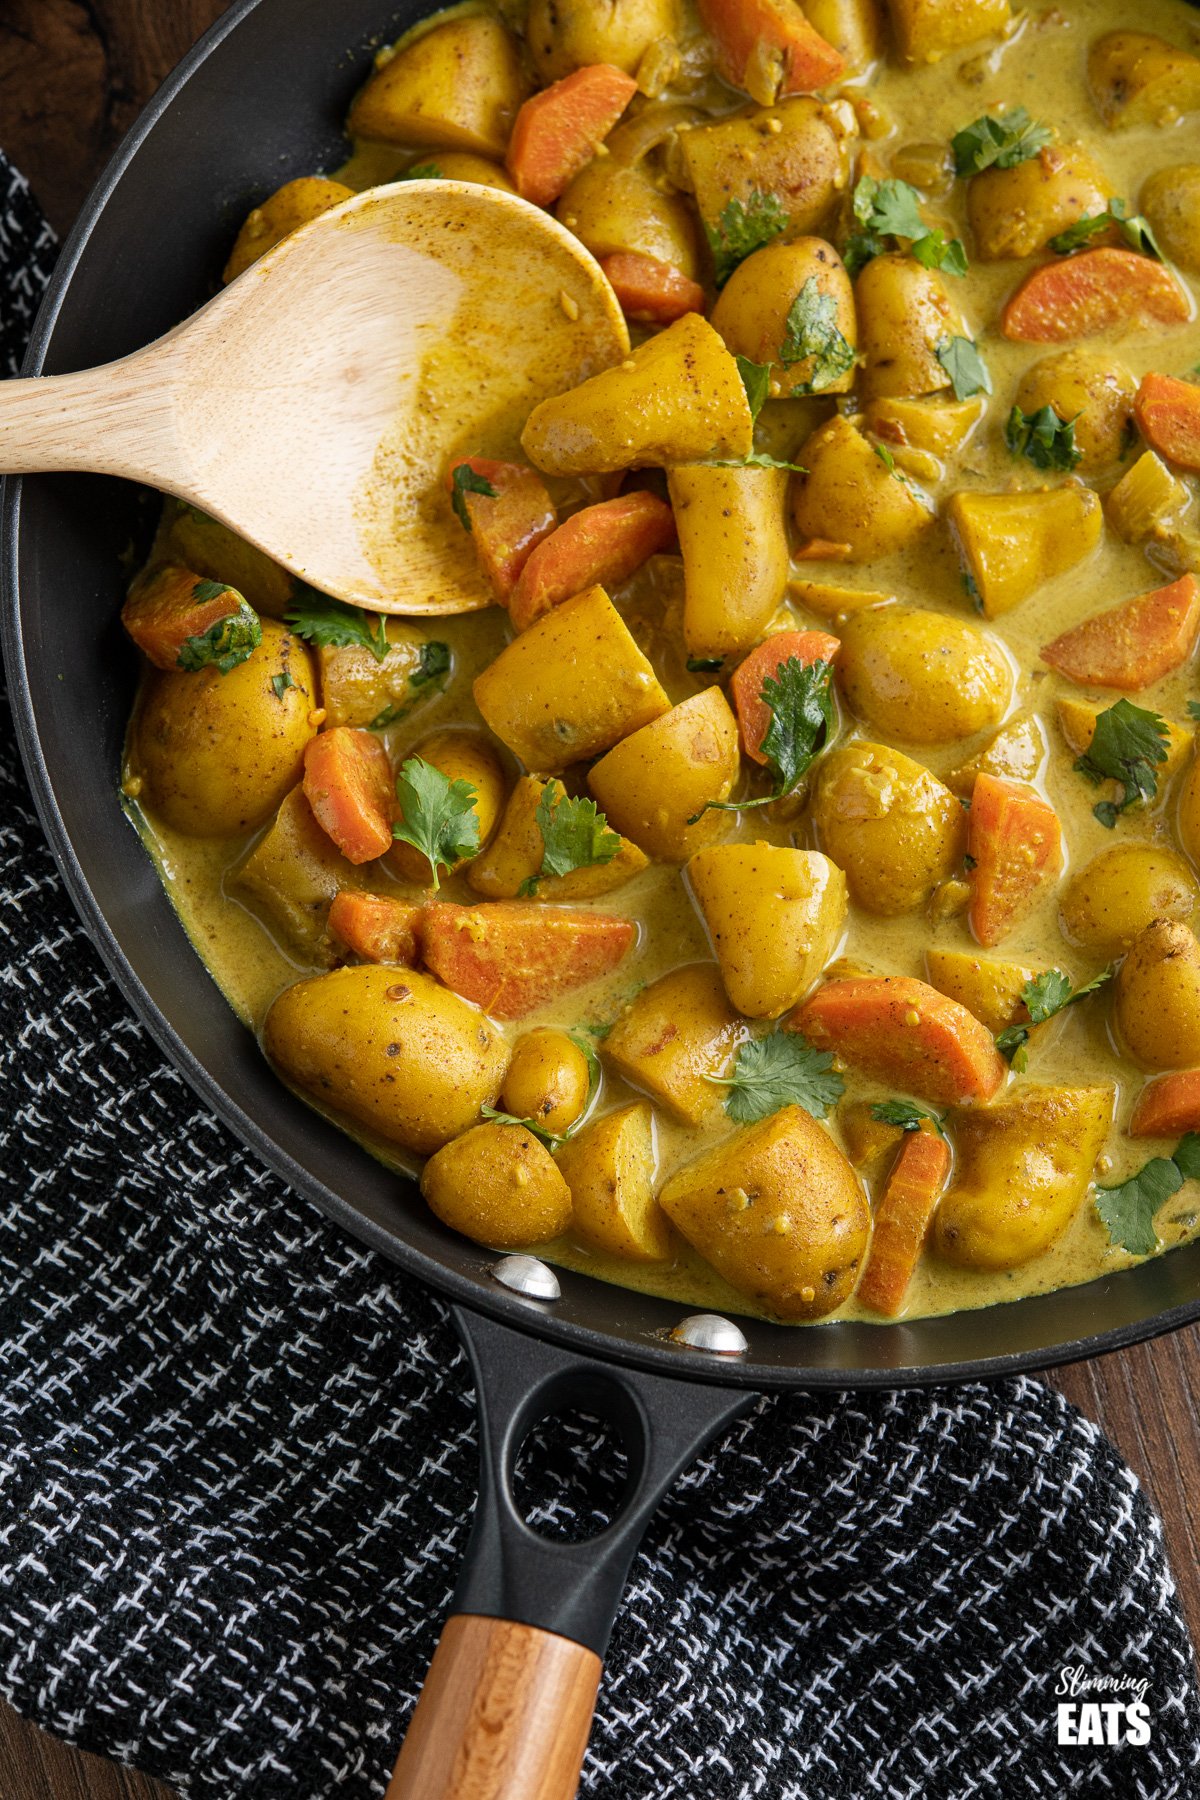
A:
x,y
709,1331
526,1275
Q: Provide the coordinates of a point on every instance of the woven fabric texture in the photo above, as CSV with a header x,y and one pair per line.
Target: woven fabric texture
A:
x,y
237,1453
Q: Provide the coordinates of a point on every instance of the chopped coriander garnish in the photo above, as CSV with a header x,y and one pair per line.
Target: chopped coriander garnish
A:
x,y
426,171
907,1115
800,701
966,368
757,459
889,462
228,641
439,817
1127,746
705,665
1047,994
1042,438
433,661
936,251
756,379
331,624
891,209
1133,230
1003,142
1127,1208
575,835
783,1069
281,683
553,1140
1193,710
742,229
464,481
811,333
971,590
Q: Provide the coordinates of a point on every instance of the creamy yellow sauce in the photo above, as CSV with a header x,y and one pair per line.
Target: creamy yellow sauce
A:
x,y
1042,67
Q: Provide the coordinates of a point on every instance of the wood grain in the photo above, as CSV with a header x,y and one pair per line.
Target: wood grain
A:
x,y
72,77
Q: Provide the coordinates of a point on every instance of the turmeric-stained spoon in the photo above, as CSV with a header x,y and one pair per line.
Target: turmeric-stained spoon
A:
x,y
316,404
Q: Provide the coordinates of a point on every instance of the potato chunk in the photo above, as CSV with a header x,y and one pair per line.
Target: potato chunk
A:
x,y
774,916
1015,212
674,1036
754,314
735,554
778,1211
358,689
927,30
922,676
513,859
655,781
497,1184
609,1168
296,203
1171,202
454,83
1016,753
1012,543
1158,997
1092,390
564,35
1023,1167
904,312
850,497
796,153
990,990
889,823
1112,899
1139,79
292,875
570,686
548,1080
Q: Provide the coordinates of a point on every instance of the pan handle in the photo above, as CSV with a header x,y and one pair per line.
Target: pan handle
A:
x,y
507,1706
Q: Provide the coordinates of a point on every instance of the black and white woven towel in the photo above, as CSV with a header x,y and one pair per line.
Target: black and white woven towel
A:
x,y
236,1455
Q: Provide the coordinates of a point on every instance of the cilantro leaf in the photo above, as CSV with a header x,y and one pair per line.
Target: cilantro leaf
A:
x,y
595,1072
464,481
742,229
1042,438
1127,746
889,462
1080,233
971,590
704,665
281,683
756,379
433,661
228,641
936,251
757,459
1133,230
1193,709
553,1140
966,368
812,332
907,1115
1047,994
1005,141
1187,1156
575,835
438,815
783,1069
892,209
799,697
1128,1208
425,171
331,624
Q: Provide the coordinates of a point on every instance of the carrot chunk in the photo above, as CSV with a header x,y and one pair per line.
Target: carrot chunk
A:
x,y
906,1034
652,292
1168,1106
1015,841
175,608
754,38
1083,295
902,1218
506,529
1133,645
1167,411
375,926
348,784
557,131
511,958
764,663
601,544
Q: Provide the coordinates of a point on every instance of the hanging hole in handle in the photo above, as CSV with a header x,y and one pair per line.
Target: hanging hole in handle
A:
x,y
570,1479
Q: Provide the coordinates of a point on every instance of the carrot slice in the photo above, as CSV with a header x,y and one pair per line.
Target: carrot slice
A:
x,y
1015,841
1167,411
752,35
348,784
1133,645
906,1034
376,927
557,131
1083,295
163,613
506,530
1168,1106
650,291
510,958
754,715
902,1218
601,544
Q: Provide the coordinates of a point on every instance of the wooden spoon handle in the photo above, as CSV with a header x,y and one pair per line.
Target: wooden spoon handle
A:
x,y
504,1715
115,420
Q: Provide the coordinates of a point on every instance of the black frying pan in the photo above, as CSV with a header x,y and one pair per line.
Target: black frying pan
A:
x,y
259,100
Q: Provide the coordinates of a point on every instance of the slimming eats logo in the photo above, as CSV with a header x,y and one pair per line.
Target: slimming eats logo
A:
x,y
1101,1709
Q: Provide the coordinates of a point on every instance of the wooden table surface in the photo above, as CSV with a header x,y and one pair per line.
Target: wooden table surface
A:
x,y
72,78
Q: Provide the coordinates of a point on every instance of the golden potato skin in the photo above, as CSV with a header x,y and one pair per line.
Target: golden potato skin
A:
x,y
733,538
217,753
499,1185
889,824
609,1167
653,782
675,1035
1171,202
292,874
778,1211
1139,79
927,30
1158,997
461,756
1092,389
1022,1168
848,495
612,206
939,425
904,312
456,84
1112,899
548,1080
219,554
390,1048
775,917
1015,212
990,990
1015,752
289,207
752,310
563,35
799,150
1011,543
923,677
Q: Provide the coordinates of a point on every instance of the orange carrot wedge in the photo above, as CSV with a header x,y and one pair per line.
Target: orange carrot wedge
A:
x,y
748,31
348,784
601,544
906,1034
507,529
557,131
1167,411
1015,840
1168,1106
754,715
175,608
652,292
1133,645
902,1217
376,927
511,958
1081,296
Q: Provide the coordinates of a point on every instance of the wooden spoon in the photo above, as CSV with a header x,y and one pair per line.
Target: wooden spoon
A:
x,y
316,404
